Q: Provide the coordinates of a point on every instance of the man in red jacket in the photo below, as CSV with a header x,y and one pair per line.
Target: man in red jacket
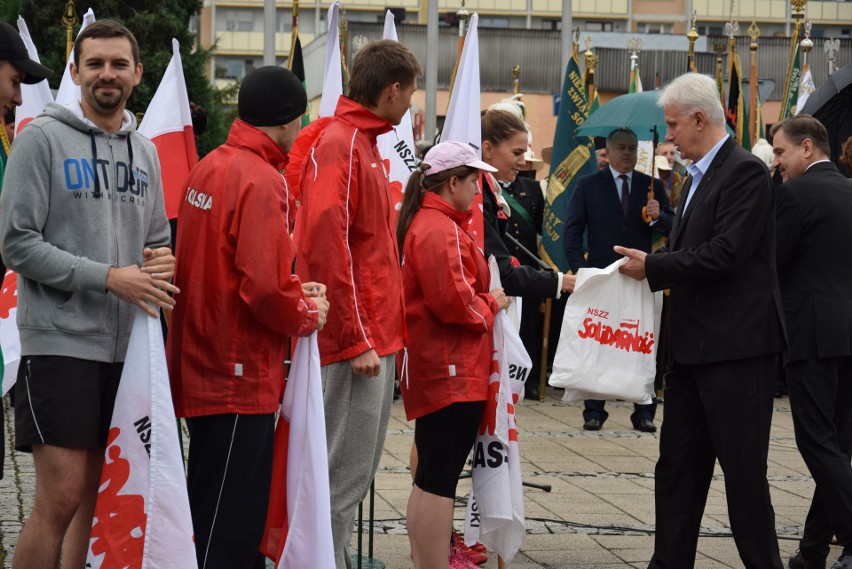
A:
x,y
346,238
227,341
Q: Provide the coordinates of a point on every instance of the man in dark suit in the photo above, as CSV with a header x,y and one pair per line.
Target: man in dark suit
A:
x,y
726,331
609,205
814,209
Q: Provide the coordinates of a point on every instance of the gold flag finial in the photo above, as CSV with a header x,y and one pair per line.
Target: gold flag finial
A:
x,y
589,57
516,79
692,35
69,20
754,33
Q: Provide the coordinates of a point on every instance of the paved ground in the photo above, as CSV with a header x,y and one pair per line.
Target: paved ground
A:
x,y
599,514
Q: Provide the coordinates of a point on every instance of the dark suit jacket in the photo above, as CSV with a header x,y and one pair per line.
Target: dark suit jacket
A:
x,y
815,262
596,207
517,281
528,195
720,265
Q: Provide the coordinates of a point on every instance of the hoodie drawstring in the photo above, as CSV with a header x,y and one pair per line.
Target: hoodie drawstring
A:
x,y
130,179
97,192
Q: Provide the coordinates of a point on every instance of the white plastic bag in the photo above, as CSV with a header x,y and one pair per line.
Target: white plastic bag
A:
x,y
608,342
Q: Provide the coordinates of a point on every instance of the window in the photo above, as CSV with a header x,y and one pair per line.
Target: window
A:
x,y
494,22
598,26
551,24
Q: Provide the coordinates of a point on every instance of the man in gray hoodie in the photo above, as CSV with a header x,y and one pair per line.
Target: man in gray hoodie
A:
x,y
84,226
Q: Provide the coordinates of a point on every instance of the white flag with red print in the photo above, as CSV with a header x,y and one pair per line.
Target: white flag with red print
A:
x,y
35,97
495,509
463,122
397,146
142,517
69,93
10,340
332,83
168,123
298,524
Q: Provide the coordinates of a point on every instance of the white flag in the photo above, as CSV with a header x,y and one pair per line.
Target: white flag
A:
x,y
463,123
332,84
142,516
397,146
298,526
35,97
495,509
807,87
10,339
168,123
68,92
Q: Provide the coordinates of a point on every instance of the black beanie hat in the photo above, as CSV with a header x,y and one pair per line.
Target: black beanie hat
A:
x,y
271,96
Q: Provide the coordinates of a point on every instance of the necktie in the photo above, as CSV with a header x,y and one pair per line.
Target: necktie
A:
x,y
625,194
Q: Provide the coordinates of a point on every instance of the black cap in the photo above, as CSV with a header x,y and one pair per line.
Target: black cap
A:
x,y
13,50
271,96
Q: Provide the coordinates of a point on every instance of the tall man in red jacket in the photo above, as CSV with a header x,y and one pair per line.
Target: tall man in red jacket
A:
x,y
226,346
346,238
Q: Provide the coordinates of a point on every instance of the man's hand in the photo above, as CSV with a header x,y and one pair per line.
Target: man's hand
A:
x,y
635,265
366,364
159,263
652,208
136,287
568,282
316,292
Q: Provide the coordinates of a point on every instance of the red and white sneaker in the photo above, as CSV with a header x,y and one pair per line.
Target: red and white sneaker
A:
x,y
473,555
459,561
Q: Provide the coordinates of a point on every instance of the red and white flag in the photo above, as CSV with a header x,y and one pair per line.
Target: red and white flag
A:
x,y
298,524
36,97
397,146
68,92
168,123
332,83
10,340
463,122
142,518
495,509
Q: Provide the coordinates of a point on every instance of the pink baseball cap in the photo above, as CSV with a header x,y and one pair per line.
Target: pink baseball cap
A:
x,y
452,154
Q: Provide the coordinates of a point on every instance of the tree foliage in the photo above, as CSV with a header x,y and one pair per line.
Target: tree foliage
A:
x,y
154,23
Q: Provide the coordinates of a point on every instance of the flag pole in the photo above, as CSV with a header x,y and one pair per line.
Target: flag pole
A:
x,y
343,25
462,15
692,35
294,34
69,20
591,61
754,33
798,11
719,48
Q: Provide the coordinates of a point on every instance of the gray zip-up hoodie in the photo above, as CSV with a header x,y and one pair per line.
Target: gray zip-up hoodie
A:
x,y
77,201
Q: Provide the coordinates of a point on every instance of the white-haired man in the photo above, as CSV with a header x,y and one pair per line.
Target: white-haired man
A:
x,y
725,334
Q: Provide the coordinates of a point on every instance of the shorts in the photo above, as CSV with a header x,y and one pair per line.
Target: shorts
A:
x,y
64,402
443,440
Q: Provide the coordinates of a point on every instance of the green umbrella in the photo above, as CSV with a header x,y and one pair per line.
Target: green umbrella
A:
x,y
637,111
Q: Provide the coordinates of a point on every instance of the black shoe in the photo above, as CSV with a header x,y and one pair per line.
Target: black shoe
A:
x,y
531,392
845,562
798,562
592,425
646,426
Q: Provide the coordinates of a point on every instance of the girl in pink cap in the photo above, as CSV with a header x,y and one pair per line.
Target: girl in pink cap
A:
x,y
449,315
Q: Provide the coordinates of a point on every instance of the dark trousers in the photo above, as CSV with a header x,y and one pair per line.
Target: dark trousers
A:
x,y
229,472
594,409
532,325
721,410
821,400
